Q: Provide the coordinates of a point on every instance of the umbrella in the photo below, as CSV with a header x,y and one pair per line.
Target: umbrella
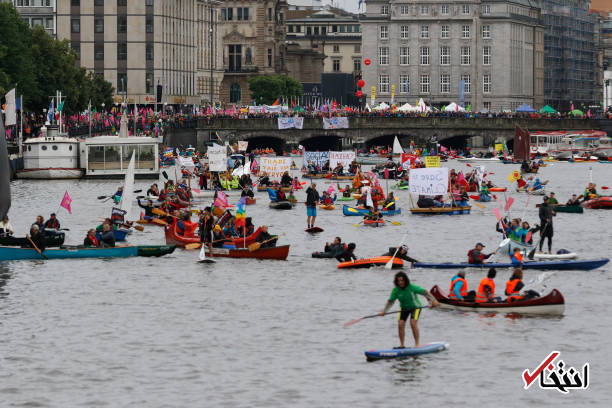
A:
x,y
548,109
525,108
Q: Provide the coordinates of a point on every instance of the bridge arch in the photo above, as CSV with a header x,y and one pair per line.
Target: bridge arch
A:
x,y
322,142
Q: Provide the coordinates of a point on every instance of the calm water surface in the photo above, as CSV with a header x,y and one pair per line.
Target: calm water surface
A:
x,y
169,332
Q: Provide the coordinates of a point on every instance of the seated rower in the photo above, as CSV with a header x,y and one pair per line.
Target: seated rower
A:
x,y
37,238
286,180
516,257
91,240
590,192
40,222
264,235
347,191
552,200
52,225
389,203
327,199
280,194
485,195
476,256
401,253
486,288
6,228
107,238
118,194
459,288
373,214
538,184
348,254
515,284
218,236
148,210
573,202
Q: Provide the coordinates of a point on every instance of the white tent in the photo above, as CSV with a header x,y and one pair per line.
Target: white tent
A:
x,y
383,106
406,108
453,107
421,107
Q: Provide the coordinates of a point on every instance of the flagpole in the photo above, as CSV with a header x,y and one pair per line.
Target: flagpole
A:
x,y
21,126
89,114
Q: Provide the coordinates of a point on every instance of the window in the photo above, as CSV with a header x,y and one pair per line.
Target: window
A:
x,y
486,83
122,23
316,31
334,29
121,51
235,58
242,13
230,14
239,13
486,31
248,56
384,32
465,9
404,84
465,31
424,31
487,105
298,28
445,55
404,9
122,82
467,83
149,52
99,25
357,48
424,9
445,31
486,55
99,3
75,25
290,29
404,55
404,32
149,82
308,30
270,14
383,56
37,22
444,83
444,9
383,84
76,48
349,28
336,65
269,57
99,52
75,3
384,10
223,14
424,55
357,28
486,9
342,28
235,93
336,48
425,84
149,24
356,65
122,3
148,2
466,56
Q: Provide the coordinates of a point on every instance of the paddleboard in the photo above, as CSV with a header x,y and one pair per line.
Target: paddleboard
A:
x,y
207,261
373,355
314,230
540,255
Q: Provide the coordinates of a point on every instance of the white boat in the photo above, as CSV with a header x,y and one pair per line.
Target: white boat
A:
x,y
506,247
196,193
604,150
51,156
564,145
479,159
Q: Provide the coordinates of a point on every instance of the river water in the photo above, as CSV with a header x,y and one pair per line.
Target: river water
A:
x,y
168,332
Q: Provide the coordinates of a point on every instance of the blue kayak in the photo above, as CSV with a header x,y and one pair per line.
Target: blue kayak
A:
x,y
566,264
120,234
14,254
373,355
352,211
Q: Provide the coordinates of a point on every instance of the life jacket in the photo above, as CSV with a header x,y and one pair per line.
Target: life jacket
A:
x,y
516,257
473,260
463,291
94,241
481,296
511,292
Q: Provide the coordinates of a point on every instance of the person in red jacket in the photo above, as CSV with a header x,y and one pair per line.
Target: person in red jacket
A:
x,y
476,256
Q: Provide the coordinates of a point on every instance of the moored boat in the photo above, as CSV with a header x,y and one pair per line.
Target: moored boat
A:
x,y
51,241
278,252
441,210
551,304
557,265
598,203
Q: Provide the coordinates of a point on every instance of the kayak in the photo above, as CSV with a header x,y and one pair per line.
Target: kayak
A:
x,y
173,238
507,246
54,240
314,229
497,189
566,264
12,253
374,223
551,304
369,262
120,234
441,210
281,205
354,211
373,355
404,187
539,191
155,250
328,207
344,198
560,208
598,203
278,252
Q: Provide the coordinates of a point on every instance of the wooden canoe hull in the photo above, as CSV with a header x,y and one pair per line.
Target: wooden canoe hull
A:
x,y
173,238
278,253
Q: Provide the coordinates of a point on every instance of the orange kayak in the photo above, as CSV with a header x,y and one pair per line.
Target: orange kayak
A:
x,y
369,262
497,189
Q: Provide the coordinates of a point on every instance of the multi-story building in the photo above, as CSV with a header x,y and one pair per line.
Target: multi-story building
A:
x,y
606,42
253,35
37,13
138,45
485,53
572,55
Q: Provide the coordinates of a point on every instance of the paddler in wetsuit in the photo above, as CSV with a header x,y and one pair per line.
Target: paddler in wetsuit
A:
x,y
206,228
476,256
348,254
401,253
406,292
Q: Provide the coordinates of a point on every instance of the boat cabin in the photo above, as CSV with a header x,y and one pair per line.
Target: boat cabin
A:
x,y
109,156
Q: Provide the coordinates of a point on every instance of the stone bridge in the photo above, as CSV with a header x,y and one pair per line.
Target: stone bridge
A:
x,y
370,131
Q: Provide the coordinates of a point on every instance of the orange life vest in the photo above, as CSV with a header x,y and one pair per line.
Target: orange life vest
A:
x,y
463,291
481,296
516,256
511,291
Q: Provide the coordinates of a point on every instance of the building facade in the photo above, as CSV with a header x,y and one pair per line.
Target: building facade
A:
x,y
572,54
606,42
485,53
253,37
37,13
140,45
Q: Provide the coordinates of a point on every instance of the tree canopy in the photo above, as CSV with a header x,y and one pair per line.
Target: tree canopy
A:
x,y
265,89
38,65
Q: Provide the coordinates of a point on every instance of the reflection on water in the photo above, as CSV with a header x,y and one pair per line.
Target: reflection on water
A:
x,y
5,275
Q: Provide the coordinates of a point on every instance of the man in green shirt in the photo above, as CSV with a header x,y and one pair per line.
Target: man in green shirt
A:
x,y
406,293
552,199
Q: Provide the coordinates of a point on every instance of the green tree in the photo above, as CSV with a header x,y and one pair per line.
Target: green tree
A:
x,y
265,89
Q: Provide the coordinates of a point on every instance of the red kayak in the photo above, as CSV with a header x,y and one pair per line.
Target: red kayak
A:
x,y
250,201
174,238
598,203
279,252
374,223
497,189
368,262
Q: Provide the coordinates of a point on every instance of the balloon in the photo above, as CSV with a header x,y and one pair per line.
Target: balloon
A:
x,y
359,94
367,61
361,83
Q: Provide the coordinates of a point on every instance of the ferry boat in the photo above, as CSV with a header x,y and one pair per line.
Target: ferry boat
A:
x,y
564,145
52,156
109,156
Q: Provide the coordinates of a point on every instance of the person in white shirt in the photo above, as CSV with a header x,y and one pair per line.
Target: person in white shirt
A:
x,y
5,226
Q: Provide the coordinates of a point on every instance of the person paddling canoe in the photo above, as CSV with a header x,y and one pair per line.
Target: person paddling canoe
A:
x,y
406,292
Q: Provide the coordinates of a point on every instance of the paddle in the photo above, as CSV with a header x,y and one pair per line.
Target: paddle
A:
x,y
377,315
196,245
532,252
257,245
36,248
389,263
158,221
356,225
111,196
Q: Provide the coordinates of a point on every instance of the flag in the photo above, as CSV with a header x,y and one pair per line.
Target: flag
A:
x,y
60,106
50,114
241,213
276,102
369,202
515,175
331,189
253,164
66,201
221,201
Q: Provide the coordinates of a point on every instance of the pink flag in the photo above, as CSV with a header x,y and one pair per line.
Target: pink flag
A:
x,y
386,173
509,203
253,164
331,189
66,201
221,200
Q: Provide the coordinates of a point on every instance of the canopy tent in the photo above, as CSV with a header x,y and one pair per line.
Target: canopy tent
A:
x,y
453,107
406,108
298,109
548,109
525,108
577,112
383,106
421,107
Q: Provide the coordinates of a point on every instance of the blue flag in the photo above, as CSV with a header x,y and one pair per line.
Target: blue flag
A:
x,y
50,113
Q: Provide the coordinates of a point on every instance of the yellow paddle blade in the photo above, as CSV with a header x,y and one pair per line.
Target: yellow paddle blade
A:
x,y
395,222
158,221
195,245
477,204
352,210
158,211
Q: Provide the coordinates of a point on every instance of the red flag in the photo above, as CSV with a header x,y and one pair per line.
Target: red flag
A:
x,y
66,201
